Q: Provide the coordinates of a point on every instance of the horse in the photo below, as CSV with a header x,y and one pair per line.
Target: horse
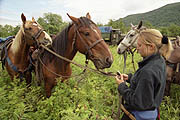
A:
x,y
15,53
129,42
83,36
172,68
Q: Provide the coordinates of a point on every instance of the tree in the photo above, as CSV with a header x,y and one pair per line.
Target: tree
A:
x,y
117,25
147,24
52,23
174,30
6,30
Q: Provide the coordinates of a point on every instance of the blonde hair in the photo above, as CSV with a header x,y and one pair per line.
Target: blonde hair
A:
x,y
150,36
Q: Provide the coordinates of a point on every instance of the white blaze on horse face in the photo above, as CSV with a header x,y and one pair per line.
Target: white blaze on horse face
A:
x,y
95,31
47,39
35,24
129,41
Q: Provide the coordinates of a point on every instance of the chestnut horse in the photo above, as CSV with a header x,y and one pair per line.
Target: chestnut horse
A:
x,y
81,36
15,53
173,73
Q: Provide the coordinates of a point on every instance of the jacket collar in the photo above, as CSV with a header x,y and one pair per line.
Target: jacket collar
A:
x,y
149,58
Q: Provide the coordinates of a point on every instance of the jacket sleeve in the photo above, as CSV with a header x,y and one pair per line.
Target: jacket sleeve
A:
x,y
142,97
129,77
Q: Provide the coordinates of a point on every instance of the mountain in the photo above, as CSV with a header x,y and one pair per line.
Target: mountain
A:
x,y
163,16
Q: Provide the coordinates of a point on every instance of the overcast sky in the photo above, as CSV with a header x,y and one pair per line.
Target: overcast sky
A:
x,y
101,11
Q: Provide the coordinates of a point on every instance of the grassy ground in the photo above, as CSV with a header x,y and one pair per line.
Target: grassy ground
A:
x,y
89,96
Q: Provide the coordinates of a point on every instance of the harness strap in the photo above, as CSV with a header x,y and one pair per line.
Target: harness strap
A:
x,y
12,66
95,43
171,65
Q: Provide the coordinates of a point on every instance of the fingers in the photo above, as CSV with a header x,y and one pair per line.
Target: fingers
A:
x,y
119,79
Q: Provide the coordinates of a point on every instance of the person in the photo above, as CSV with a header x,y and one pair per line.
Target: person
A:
x,y
145,92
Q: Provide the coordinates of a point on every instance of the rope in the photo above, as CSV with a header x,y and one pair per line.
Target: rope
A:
x,y
86,67
79,65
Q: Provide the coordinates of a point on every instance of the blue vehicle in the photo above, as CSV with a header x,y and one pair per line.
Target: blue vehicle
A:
x,y
110,35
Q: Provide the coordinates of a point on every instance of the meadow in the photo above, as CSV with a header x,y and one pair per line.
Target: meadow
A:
x,y
89,96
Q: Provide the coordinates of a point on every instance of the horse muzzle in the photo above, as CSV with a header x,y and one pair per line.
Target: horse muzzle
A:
x,y
103,63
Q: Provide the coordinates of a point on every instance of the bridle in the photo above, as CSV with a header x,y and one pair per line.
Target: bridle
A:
x,y
88,52
36,36
129,46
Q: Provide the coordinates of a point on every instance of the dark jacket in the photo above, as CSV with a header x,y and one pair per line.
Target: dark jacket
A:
x,y
146,85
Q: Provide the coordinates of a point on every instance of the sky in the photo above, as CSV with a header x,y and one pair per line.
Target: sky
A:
x,y
101,11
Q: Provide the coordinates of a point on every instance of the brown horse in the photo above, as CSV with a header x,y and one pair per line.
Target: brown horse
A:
x,y
82,35
173,73
15,53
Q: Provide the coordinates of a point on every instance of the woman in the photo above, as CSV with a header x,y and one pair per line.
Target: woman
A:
x,y
145,93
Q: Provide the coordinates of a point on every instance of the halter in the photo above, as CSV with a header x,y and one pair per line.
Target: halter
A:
x,y
130,45
36,36
88,53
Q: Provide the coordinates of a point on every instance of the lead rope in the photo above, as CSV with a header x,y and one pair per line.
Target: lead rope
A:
x,y
79,65
94,70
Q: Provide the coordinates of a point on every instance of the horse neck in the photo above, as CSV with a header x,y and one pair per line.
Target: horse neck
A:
x,y
19,46
71,51
175,56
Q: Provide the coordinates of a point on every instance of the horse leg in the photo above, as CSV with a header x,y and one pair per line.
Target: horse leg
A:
x,y
28,77
125,57
48,87
167,88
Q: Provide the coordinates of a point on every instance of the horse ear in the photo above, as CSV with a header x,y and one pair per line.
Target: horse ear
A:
x,y
88,16
75,20
23,18
33,19
132,26
140,25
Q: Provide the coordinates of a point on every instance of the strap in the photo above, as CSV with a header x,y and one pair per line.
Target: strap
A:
x,y
128,113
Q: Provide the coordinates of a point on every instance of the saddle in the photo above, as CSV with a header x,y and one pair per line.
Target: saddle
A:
x,y
5,47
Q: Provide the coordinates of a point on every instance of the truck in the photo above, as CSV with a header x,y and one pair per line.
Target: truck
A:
x,y
111,36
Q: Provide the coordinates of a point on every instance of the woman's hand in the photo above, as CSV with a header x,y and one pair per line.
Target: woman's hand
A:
x,y
121,78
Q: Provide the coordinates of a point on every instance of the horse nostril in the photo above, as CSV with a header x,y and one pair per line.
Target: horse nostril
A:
x,y
109,61
118,51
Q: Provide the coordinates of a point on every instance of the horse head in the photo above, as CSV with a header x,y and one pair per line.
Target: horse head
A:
x,y
33,32
130,40
88,41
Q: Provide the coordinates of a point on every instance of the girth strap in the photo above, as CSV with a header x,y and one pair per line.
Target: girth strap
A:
x,y
12,66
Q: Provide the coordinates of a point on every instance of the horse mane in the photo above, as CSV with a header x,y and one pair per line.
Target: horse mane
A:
x,y
60,42
16,41
86,22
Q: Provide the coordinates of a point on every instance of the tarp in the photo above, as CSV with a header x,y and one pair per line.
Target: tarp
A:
x,y
105,29
4,39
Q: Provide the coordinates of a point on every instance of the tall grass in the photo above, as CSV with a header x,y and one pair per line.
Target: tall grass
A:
x,y
87,97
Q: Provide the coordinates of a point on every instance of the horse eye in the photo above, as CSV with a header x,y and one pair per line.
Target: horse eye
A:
x,y
131,35
86,33
28,28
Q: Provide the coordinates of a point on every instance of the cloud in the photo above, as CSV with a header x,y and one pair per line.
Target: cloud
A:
x,y
9,21
101,11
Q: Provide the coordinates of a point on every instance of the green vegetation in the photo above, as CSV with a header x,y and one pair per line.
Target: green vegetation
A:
x,y
87,97
164,16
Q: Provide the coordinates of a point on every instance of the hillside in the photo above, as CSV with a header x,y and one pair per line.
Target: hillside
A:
x,y
163,16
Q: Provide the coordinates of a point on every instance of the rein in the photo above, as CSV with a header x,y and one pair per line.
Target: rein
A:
x,y
79,65
88,53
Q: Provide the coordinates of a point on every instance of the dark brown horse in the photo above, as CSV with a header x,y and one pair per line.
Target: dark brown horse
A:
x,y
173,73
15,53
82,35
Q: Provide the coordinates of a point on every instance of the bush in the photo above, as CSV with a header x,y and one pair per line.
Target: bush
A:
x,y
87,97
